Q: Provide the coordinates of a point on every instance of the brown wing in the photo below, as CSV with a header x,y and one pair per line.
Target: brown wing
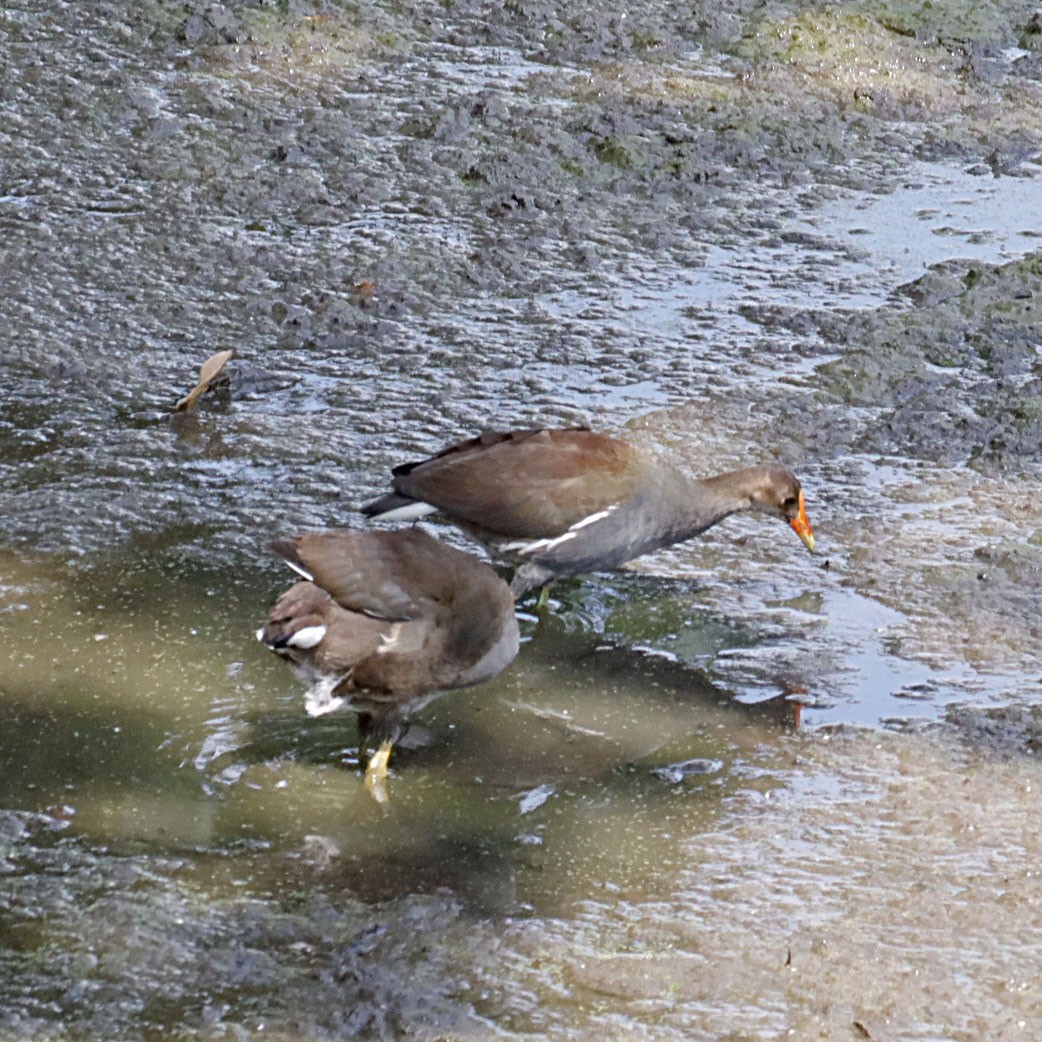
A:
x,y
350,638
525,484
399,576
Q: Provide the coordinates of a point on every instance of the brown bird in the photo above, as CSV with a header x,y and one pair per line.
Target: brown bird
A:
x,y
561,502
385,622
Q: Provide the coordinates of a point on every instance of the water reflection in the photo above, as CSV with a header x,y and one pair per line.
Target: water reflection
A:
x,y
171,732
186,842
184,854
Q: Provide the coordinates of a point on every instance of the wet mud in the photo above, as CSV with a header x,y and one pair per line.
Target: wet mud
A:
x,y
732,792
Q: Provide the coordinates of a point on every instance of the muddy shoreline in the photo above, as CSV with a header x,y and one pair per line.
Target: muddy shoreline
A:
x,y
759,232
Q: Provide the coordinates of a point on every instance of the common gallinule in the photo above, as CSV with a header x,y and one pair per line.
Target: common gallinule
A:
x,y
384,623
561,502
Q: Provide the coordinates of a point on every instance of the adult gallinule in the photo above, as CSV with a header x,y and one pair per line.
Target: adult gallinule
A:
x,y
561,502
384,623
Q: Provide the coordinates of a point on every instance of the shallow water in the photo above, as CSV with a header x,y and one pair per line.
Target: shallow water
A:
x,y
411,225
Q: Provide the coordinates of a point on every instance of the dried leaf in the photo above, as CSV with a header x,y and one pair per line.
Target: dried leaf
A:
x,y
208,372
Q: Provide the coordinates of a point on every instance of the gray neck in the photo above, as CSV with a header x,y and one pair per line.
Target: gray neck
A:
x,y
696,504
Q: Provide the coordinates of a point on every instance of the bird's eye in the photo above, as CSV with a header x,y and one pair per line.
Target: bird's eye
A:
x,y
791,505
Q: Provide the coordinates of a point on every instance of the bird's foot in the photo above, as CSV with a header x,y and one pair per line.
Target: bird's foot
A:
x,y
376,773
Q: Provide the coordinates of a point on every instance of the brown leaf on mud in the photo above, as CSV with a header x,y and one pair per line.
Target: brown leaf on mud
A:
x,y
208,372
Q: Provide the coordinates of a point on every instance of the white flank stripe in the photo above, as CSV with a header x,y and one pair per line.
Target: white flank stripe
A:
x,y
539,545
546,544
301,570
594,517
389,641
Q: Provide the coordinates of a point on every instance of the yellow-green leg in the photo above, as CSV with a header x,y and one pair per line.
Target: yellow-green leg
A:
x,y
376,772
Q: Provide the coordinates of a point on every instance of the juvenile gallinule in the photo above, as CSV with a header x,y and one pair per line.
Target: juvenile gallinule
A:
x,y
384,623
561,502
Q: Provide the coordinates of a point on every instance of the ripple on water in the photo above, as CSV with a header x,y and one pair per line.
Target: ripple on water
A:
x,y
404,264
